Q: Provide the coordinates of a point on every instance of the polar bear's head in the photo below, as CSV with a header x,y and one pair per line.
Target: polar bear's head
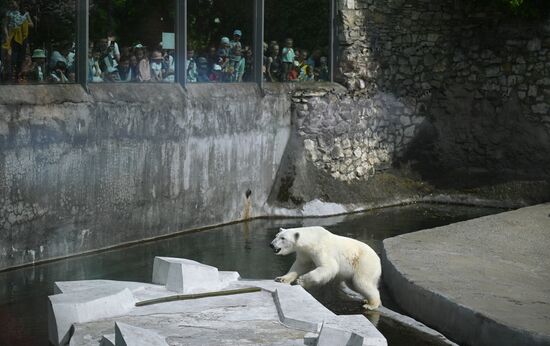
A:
x,y
285,242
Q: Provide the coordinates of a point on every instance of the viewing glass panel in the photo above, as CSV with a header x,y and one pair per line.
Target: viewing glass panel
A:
x,y
38,42
132,41
220,41
297,40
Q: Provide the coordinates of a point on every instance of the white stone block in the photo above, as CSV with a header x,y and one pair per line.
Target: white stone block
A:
x,y
107,340
228,277
310,339
85,306
185,276
359,325
332,337
127,335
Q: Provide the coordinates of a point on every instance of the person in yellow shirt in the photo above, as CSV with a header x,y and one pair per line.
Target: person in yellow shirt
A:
x,y
15,33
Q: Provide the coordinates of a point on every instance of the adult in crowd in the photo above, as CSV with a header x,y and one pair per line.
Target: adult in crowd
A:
x,y
15,34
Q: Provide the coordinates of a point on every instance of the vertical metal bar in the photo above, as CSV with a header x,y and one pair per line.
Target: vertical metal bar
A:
x,y
82,39
332,23
181,42
259,42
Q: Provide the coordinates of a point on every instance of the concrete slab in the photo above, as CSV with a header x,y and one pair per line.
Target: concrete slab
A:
x,y
127,335
279,314
83,306
331,336
482,282
107,340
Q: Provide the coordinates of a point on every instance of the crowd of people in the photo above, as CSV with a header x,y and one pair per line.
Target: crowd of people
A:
x,y
233,62
107,62
229,61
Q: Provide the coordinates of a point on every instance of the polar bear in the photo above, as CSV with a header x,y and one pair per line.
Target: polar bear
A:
x,y
322,256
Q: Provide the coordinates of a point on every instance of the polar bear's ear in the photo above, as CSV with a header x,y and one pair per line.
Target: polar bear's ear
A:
x,y
296,236
281,230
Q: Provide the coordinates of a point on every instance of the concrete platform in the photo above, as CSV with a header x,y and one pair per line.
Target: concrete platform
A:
x,y
480,282
275,314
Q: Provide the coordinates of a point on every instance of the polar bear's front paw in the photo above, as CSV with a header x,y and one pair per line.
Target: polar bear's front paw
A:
x,y
283,279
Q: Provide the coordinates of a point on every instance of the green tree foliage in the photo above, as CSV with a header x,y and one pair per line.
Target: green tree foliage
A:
x,y
133,21
307,22
209,20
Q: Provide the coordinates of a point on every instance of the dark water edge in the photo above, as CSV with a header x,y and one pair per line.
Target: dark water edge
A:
x,y
240,247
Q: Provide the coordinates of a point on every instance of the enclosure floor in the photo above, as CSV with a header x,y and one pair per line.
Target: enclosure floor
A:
x,y
480,282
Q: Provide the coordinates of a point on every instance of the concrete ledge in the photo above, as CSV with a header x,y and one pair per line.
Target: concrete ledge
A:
x,y
480,282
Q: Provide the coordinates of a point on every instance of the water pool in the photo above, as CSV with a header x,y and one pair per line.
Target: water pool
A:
x,y
241,247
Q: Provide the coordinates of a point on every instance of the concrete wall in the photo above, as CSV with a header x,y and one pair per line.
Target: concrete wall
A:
x,y
82,171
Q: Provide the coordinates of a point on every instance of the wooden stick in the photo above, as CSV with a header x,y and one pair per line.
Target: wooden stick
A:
x,y
199,295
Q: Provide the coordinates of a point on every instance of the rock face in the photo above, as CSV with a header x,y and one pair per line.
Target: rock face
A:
x,y
447,86
273,314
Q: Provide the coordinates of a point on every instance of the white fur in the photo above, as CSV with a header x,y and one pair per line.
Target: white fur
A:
x,y
322,256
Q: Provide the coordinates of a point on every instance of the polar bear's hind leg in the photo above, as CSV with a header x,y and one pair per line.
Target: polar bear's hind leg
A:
x,y
369,291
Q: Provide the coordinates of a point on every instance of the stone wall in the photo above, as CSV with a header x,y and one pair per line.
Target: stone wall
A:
x,y
80,172
445,88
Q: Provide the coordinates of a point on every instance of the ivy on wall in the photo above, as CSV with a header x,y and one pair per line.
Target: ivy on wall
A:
x,y
525,8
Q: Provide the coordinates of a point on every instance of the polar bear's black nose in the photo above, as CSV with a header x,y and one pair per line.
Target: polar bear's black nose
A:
x,y
272,246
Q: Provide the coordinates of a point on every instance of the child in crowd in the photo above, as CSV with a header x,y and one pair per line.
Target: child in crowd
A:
x,y
212,56
323,72
170,63
203,70
224,50
237,63
305,72
236,42
191,67
25,74
125,72
39,65
96,74
248,64
58,73
274,63
216,74
158,67
144,67
134,67
111,75
288,59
